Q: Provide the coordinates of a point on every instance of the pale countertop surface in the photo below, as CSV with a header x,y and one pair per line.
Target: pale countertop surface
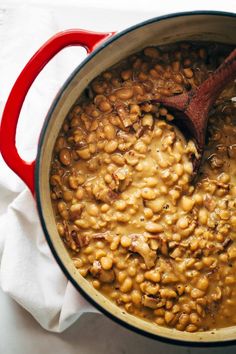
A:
x,y
92,333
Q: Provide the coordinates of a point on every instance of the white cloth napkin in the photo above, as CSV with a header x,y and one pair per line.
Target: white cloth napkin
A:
x,y
28,271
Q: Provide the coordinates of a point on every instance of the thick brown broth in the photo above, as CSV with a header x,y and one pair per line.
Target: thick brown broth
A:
x,y
135,225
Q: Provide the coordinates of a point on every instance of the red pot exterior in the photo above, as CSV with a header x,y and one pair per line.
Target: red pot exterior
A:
x,y
86,39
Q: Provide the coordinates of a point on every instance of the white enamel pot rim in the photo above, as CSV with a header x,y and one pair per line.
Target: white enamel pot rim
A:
x,y
200,25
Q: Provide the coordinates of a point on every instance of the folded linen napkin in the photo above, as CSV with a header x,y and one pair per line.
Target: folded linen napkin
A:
x,y
29,273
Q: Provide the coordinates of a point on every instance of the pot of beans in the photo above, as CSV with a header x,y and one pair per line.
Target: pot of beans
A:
x,y
143,242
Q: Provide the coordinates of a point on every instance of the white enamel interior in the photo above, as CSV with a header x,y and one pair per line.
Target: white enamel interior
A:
x,y
192,27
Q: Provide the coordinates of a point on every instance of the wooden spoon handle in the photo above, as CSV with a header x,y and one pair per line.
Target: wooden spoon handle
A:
x,y
206,94
202,98
216,82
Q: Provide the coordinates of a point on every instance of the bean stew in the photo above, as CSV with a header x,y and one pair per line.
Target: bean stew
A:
x,y
158,244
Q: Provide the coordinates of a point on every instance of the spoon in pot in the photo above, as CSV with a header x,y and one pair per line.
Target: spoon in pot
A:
x,y
191,109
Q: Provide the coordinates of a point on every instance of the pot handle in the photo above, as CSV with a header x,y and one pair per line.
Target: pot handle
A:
x,y
88,40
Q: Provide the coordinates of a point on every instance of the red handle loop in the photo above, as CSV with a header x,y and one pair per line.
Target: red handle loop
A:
x,y
86,39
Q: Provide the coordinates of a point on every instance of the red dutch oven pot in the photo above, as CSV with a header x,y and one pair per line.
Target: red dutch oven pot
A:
x,y
104,50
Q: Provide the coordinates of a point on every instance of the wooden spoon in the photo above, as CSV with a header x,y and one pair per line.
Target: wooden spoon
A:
x,y
191,109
